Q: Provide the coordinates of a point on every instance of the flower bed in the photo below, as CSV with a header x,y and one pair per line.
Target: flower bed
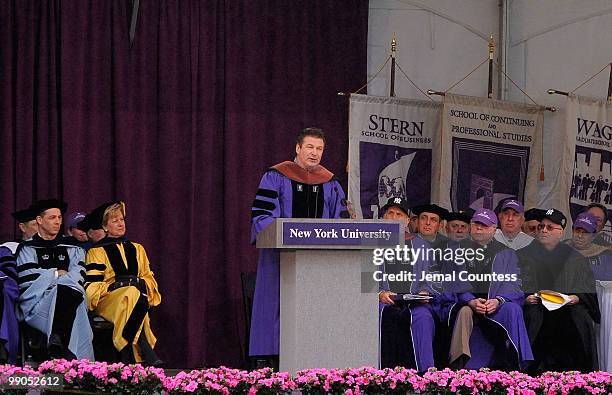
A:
x,y
100,377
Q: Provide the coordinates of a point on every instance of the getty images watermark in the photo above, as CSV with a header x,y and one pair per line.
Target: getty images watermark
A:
x,y
401,264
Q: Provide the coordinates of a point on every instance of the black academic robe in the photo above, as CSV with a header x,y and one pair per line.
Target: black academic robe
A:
x,y
562,339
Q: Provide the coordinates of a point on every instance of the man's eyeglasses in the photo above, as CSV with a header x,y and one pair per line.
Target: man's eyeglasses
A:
x,y
548,227
532,228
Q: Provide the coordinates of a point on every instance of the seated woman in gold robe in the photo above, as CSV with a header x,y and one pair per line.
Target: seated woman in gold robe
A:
x,y
120,285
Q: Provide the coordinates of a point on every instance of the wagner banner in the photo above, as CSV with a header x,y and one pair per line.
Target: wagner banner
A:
x,y
489,150
589,173
390,151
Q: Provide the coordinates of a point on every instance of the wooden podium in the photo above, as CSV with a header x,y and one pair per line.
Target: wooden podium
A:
x,y
328,299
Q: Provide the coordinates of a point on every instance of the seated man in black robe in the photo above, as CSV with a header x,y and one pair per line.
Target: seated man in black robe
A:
x,y
561,339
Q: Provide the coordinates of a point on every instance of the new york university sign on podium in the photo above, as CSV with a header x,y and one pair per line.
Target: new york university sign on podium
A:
x,y
340,233
332,233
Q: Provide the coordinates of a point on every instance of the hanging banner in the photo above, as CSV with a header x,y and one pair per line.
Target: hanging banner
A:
x,y
589,177
390,151
489,150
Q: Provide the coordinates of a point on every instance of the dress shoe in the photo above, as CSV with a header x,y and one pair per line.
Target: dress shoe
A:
x,y
149,356
57,350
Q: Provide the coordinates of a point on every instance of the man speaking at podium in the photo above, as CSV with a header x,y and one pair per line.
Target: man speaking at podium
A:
x,y
299,189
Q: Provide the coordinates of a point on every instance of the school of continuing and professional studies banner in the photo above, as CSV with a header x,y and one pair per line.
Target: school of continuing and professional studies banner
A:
x,y
588,170
390,151
489,150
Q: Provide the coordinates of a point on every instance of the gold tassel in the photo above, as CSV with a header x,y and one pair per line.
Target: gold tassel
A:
x,y
542,172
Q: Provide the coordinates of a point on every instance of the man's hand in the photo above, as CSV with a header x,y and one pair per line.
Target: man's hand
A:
x,y
574,299
478,305
492,305
385,297
61,272
532,299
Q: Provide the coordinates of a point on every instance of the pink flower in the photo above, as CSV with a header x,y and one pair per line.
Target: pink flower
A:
x,y
191,387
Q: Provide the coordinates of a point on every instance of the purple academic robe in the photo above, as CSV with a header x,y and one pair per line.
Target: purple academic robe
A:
x,y
508,319
407,329
280,196
9,327
602,266
602,270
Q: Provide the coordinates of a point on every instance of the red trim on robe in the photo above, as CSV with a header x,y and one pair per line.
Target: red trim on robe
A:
x,y
294,172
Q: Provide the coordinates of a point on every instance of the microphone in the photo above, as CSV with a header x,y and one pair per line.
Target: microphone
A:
x,y
316,203
344,214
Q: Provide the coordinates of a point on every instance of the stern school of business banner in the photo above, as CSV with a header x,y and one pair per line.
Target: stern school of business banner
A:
x,y
489,150
587,172
390,151
464,152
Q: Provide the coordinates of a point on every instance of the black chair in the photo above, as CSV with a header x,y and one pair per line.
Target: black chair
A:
x,y
33,345
104,348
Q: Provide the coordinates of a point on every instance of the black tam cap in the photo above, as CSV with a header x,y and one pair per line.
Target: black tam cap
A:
x,y
25,215
94,219
431,208
41,206
555,216
396,202
534,214
459,216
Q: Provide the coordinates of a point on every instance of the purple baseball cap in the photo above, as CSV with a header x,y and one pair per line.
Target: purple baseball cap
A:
x,y
514,205
73,219
485,216
586,221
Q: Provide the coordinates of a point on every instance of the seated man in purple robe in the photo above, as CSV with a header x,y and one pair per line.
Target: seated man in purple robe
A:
x,y
9,289
458,234
598,256
487,321
600,260
457,227
430,222
407,328
299,189
562,338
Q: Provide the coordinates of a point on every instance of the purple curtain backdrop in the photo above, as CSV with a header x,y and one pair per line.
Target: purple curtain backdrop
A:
x,y
181,124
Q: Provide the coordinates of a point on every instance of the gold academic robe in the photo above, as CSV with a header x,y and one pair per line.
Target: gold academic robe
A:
x,y
118,305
